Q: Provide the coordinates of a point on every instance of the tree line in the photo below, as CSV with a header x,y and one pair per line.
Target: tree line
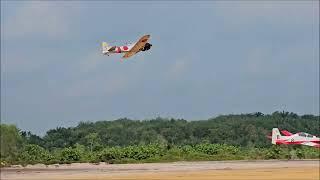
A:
x,y
241,136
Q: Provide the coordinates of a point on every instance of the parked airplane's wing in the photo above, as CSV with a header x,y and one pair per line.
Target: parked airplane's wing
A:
x,y
311,144
137,47
286,133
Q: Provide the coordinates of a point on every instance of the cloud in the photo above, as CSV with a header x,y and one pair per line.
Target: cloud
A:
x,y
256,57
91,62
96,86
30,34
239,14
178,68
54,66
35,18
99,75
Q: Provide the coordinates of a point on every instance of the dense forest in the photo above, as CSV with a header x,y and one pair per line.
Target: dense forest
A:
x,y
224,137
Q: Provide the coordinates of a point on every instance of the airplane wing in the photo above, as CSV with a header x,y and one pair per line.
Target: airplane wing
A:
x,y
311,144
137,47
286,133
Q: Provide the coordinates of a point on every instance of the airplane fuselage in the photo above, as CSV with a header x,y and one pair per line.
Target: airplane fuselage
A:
x,y
297,139
119,49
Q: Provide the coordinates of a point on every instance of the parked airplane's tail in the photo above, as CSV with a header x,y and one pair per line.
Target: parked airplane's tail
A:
x,y
275,135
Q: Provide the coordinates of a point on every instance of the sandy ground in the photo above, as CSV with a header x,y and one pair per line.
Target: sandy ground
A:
x,y
224,170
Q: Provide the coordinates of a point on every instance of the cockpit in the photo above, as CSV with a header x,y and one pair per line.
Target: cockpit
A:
x,y
302,134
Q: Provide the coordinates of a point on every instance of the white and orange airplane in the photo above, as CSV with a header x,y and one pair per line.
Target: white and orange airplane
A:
x,y
130,49
301,138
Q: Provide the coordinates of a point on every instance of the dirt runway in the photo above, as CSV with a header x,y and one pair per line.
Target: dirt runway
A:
x,y
224,170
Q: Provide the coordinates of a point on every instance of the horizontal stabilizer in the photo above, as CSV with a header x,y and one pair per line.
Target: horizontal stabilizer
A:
x,y
112,48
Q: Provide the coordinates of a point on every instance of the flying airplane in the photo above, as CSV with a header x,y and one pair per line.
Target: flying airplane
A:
x,y
130,49
290,138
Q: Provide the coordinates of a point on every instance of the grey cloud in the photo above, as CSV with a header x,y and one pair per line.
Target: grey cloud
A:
x,y
38,19
198,67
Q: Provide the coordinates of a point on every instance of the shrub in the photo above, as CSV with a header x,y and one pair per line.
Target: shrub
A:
x,y
110,154
32,154
69,155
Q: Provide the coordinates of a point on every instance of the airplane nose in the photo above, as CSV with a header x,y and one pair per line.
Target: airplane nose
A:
x,y
146,47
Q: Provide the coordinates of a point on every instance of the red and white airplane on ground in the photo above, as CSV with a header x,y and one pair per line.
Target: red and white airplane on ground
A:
x,y
298,138
130,49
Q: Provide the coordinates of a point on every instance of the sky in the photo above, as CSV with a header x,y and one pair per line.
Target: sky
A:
x,y
208,58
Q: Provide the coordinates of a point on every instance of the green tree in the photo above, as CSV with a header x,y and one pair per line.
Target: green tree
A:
x,y
93,141
11,142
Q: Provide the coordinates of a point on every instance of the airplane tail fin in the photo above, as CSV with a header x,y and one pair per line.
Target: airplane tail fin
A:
x,y
105,47
275,135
